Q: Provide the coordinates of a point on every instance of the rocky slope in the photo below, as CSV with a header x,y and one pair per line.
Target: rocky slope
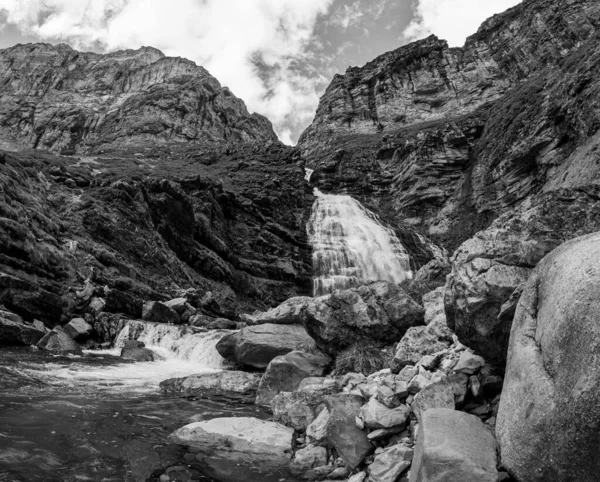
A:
x,y
446,139
56,98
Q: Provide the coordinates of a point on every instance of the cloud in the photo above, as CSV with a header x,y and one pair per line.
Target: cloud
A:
x,y
261,49
452,20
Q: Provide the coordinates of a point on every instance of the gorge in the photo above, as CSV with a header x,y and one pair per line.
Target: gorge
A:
x,y
185,298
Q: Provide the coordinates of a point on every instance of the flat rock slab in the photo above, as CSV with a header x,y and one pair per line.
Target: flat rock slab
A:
x,y
237,434
453,446
230,384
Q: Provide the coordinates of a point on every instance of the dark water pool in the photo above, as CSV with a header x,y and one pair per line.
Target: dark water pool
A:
x,y
96,418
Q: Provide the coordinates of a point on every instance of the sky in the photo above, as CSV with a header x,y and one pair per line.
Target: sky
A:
x,y
277,55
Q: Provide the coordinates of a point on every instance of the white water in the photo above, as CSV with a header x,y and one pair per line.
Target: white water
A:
x,y
351,246
179,350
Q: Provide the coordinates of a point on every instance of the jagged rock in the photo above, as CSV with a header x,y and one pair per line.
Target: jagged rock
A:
x,y
435,395
122,302
290,312
453,446
376,415
96,306
159,312
549,412
296,409
57,341
350,442
108,325
284,373
308,458
14,331
229,384
137,351
469,363
319,385
389,464
256,346
237,434
416,343
380,312
78,329
316,432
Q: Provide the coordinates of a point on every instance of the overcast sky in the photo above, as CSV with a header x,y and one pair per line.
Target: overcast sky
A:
x,y
277,55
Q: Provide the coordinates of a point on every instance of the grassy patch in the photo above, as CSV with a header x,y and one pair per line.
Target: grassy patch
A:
x,y
362,358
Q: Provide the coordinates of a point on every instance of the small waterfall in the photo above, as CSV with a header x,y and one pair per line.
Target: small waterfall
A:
x,y
176,342
351,246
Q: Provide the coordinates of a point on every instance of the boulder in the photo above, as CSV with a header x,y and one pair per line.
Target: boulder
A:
x,y
117,301
15,331
212,323
376,415
316,432
229,384
380,312
296,409
58,341
453,446
159,312
415,344
290,312
237,434
309,457
436,395
350,442
96,306
179,305
285,373
549,416
137,351
256,346
78,329
389,464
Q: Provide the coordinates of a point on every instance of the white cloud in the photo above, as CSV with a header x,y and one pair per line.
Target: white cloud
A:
x,y
452,20
225,36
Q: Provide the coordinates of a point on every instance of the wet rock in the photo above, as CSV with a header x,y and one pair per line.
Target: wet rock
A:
x,y
57,341
237,434
549,413
390,464
308,458
78,329
229,384
14,331
159,312
453,446
377,415
137,351
256,346
285,373
380,312
350,442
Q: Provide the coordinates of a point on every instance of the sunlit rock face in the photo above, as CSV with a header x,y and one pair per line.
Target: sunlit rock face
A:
x,y
351,247
56,98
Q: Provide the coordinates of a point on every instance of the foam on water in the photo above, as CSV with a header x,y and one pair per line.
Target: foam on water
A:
x,y
351,246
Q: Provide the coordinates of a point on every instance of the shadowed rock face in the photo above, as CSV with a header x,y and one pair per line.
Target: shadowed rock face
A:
x,y
56,98
444,140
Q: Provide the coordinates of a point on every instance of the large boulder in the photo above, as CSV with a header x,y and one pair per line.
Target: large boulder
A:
x,y
380,312
285,373
15,331
256,346
290,312
159,312
453,446
57,341
229,384
237,434
78,329
550,408
136,351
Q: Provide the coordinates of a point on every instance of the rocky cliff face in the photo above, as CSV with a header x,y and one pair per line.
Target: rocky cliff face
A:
x,y
56,98
444,140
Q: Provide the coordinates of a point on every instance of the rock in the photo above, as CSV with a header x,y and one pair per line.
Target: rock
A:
x,y
377,415
358,477
296,409
418,383
135,350
290,312
308,458
212,323
285,373
380,312
58,341
96,306
14,331
549,413
390,464
350,442
316,432
122,302
78,329
492,385
229,384
256,346
469,363
415,344
237,434
159,312
179,305
321,385
384,433
453,446
436,395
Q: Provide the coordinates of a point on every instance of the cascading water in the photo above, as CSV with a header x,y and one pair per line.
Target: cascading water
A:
x,y
351,247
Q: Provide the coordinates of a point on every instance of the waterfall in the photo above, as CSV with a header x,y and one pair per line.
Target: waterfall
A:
x,y
351,246
176,342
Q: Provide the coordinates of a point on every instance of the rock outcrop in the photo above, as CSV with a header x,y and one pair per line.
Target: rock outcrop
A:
x,y
549,412
15,331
